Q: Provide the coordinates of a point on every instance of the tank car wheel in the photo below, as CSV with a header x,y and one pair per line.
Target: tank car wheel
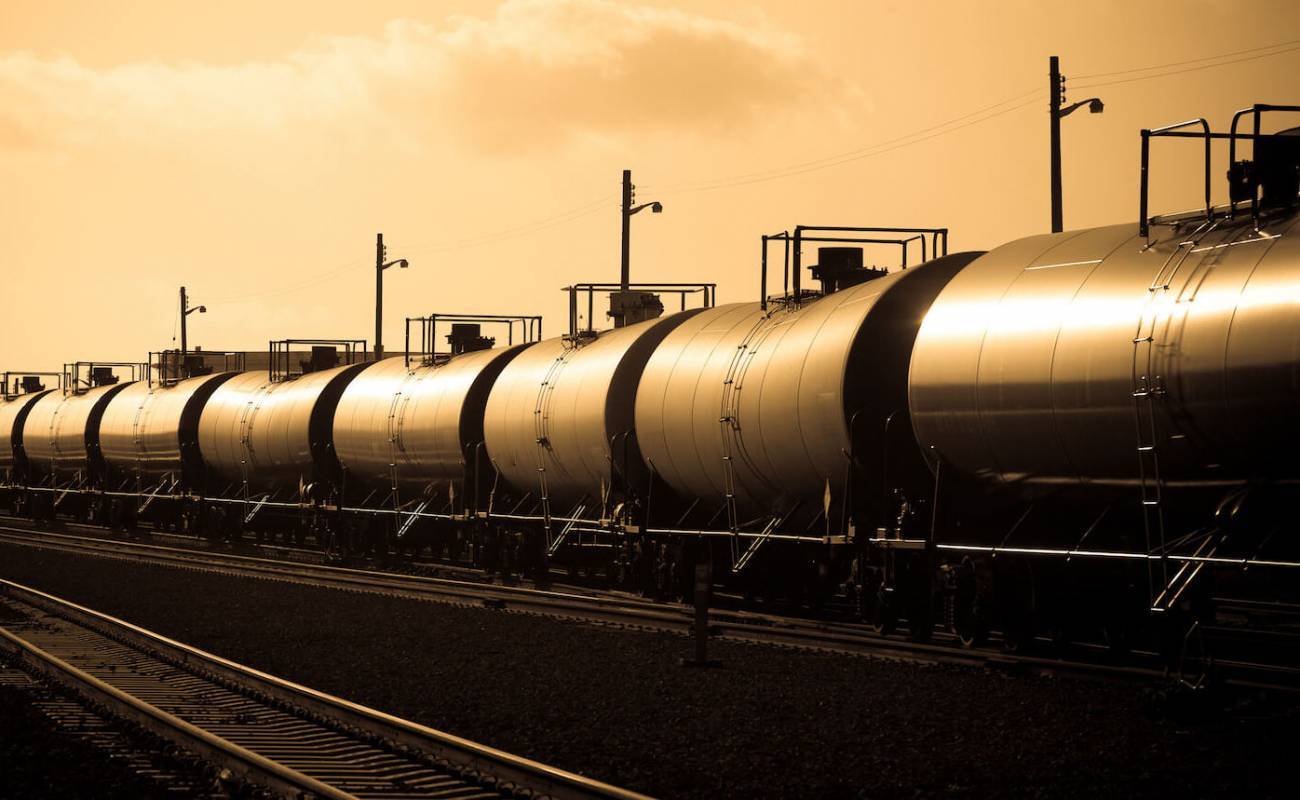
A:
x,y
1017,636
971,631
883,613
1117,637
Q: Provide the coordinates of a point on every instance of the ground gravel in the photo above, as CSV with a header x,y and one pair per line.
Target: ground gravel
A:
x,y
770,722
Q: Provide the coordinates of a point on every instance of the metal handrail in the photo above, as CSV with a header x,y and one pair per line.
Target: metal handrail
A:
x,y
932,240
1254,110
1144,223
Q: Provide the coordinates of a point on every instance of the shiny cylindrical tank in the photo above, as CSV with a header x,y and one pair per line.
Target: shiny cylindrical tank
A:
x,y
13,413
149,431
274,435
413,427
560,417
778,398
61,433
1033,366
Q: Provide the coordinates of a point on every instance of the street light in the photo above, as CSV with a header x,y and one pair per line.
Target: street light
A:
x,y
381,253
185,313
1056,87
629,197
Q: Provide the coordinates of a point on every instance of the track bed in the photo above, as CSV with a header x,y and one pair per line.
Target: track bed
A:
x,y
615,704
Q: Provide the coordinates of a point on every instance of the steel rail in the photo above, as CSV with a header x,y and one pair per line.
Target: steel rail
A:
x,y
725,624
241,762
744,626
509,771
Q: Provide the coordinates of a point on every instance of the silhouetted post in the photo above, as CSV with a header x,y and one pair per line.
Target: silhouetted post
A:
x,y
627,210
185,306
626,274
380,265
185,313
1054,90
380,252
703,594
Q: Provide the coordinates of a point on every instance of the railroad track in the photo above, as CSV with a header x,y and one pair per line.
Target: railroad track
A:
x,y
255,728
734,625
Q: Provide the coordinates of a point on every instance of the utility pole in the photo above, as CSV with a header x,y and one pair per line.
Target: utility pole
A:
x,y
185,313
629,197
185,307
1055,85
626,274
1056,91
381,252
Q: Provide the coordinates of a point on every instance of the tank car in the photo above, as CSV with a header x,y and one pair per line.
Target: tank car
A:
x,y
1111,411
13,413
560,421
61,442
766,407
149,440
61,436
411,438
149,432
559,425
1034,363
263,437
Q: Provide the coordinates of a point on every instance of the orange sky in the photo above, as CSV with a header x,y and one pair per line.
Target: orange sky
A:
x,y
252,150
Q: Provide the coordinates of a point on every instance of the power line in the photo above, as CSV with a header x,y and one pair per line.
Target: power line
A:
x,y
308,283
1188,61
674,187
1188,69
858,155
944,128
912,138
522,230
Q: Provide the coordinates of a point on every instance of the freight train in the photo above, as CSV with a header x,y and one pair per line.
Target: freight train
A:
x,y
1074,433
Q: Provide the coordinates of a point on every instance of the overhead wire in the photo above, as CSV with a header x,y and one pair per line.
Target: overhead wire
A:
x,y
1167,74
1132,70
838,156
944,128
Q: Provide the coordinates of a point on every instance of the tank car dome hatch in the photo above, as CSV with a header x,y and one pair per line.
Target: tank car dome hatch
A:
x,y
274,435
418,426
1033,363
13,414
560,420
61,433
151,431
777,397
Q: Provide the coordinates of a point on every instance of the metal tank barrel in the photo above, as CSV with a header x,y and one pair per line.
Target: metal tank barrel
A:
x,y
273,435
412,428
61,433
1061,360
151,431
770,403
559,420
13,413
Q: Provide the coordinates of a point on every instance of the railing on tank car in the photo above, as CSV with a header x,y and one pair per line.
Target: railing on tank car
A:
x,y
932,243
529,330
1245,178
80,377
170,367
324,354
707,292
16,383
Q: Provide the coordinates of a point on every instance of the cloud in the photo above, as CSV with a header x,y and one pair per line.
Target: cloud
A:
x,y
535,73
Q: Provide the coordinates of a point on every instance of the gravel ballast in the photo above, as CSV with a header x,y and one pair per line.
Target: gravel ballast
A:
x,y
615,704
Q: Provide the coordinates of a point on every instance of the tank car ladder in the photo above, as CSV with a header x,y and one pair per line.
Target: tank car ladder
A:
x,y
1147,388
729,421
165,486
540,417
